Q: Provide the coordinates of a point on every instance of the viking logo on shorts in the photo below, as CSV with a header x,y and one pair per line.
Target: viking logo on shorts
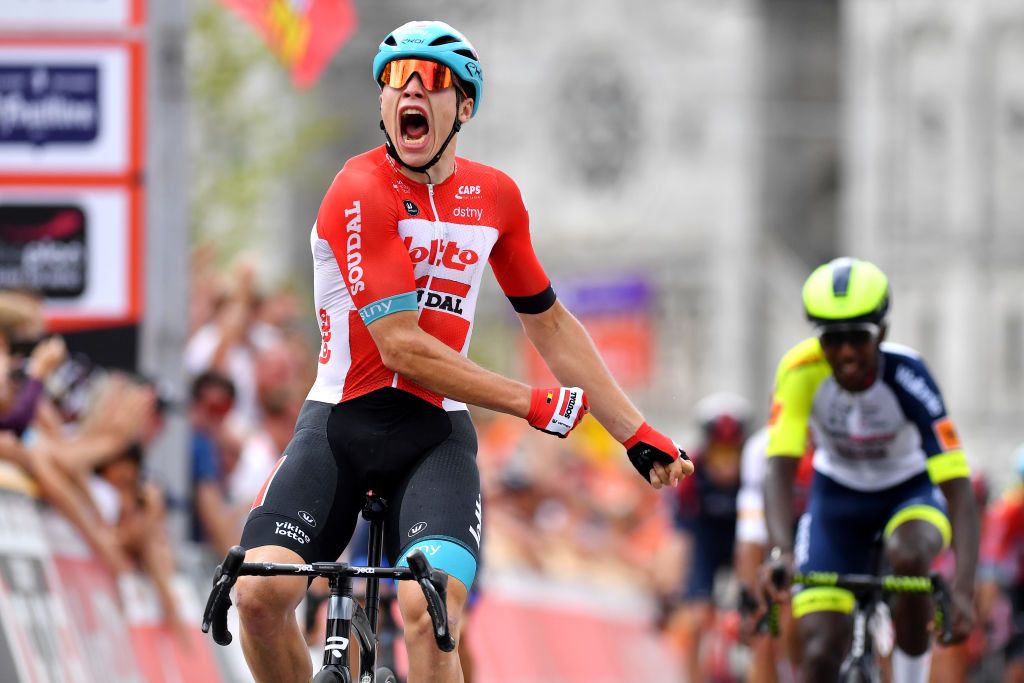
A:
x,y
308,518
416,528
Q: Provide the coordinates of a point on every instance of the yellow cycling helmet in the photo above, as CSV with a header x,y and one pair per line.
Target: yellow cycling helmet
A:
x,y
846,290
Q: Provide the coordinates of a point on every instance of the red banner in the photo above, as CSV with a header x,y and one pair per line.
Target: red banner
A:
x,y
304,34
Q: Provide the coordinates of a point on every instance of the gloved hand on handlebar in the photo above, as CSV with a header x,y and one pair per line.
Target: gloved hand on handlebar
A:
x,y
656,457
557,411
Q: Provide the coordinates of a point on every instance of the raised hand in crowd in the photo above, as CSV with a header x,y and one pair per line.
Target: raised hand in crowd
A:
x,y
46,357
60,492
236,316
120,415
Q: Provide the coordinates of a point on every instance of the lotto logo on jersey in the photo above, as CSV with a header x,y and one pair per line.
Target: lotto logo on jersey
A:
x,y
325,336
448,255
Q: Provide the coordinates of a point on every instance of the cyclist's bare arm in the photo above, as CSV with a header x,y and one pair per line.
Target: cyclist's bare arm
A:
x,y
566,347
416,355
569,352
963,517
780,473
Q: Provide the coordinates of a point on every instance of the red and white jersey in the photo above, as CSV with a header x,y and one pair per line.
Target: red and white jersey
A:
x,y
383,243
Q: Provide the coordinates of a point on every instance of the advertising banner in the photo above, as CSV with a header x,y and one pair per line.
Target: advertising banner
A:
x,y
69,109
166,657
70,15
40,643
598,638
93,603
79,247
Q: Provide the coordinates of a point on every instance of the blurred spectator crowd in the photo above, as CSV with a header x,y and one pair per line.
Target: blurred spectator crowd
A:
x,y
82,433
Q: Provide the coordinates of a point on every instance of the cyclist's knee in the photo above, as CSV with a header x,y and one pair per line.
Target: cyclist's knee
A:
x,y
824,640
912,546
698,616
265,603
909,555
418,625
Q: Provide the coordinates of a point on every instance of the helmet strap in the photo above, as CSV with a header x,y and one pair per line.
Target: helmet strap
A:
x,y
393,152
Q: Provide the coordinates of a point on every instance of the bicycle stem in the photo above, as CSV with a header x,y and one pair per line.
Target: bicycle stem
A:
x,y
341,608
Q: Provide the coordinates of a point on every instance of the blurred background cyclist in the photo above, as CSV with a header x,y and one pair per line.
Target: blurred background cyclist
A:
x,y
1001,575
706,517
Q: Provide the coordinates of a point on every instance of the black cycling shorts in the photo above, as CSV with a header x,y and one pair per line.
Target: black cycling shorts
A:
x,y
420,458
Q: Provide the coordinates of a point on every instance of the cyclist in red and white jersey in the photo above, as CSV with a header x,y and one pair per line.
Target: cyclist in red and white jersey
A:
x,y
400,246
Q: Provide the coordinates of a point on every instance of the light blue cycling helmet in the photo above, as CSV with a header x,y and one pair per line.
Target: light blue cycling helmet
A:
x,y
439,42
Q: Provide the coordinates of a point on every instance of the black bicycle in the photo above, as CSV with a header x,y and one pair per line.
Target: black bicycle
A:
x,y
869,591
344,614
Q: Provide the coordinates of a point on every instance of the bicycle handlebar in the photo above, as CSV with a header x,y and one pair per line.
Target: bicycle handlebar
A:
x,y
934,584
433,583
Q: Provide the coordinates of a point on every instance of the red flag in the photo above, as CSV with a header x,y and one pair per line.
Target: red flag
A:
x,y
304,34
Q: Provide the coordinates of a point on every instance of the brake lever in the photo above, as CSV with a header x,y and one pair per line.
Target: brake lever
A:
x,y
435,594
943,609
215,616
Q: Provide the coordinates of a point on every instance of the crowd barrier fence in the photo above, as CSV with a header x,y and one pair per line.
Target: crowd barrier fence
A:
x,y
64,618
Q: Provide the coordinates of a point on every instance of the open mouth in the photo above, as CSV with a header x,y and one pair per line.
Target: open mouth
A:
x,y
414,126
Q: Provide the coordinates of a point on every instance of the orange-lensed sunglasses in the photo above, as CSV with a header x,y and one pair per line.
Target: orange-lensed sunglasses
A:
x,y
433,75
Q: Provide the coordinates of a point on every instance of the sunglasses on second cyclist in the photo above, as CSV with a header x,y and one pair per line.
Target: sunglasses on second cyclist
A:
x,y
433,75
857,335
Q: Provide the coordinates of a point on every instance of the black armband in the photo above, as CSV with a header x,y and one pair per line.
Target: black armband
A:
x,y
535,303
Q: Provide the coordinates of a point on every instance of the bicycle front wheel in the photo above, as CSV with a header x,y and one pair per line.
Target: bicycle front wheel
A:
x,y
384,675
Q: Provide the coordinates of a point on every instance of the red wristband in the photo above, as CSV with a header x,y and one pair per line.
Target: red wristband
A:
x,y
537,401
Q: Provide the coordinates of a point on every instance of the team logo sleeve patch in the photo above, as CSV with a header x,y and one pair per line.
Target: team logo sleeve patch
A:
x,y
387,306
946,434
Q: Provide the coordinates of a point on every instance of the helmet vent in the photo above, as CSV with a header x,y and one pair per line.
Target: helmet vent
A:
x,y
390,40
468,54
443,40
841,278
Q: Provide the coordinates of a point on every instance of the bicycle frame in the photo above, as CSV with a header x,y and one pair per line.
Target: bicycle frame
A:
x,y
861,654
343,613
